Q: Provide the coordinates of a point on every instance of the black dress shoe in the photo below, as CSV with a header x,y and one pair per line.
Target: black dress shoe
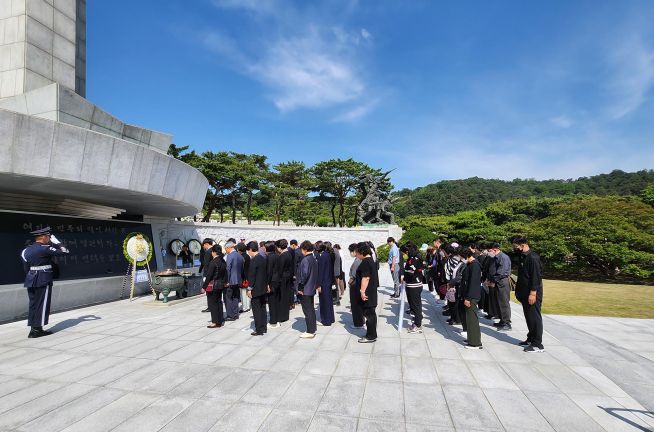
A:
x,y
206,310
230,319
35,334
505,327
256,334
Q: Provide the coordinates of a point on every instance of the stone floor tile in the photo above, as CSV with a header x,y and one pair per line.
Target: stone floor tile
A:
x,y
420,370
27,394
562,413
285,420
322,363
67,414
470,409
269,389
235,384
491,375
383,400
369,425
305,393
385,367
113,414
42,405
528,378
414,348
353,365
425,404
155,416
453,372
343,397
608,413
242,418
515,411
200,416
331,423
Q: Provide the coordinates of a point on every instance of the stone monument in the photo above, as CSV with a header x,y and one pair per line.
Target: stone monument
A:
x,y
373,209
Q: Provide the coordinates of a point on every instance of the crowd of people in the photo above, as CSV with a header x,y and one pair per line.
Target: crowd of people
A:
x,y
270,278
468,279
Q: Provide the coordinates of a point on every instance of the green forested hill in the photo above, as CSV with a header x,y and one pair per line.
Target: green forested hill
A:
x,y
451,196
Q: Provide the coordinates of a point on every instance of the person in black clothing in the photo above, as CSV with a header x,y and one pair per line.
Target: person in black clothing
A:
x,y
368,282
205,259
529,292
412,276
258,288
470,293
429,272
274,284
216,272
241,248
185,255
286,281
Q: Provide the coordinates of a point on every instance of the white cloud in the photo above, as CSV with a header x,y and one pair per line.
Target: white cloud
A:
x,y
356,113
300,60
561,121
305,72
633,76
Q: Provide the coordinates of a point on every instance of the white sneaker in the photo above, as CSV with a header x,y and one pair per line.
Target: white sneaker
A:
x,y
306,335
464,334
276,325
415,329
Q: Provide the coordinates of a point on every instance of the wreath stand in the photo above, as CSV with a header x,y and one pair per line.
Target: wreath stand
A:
x,y
132,266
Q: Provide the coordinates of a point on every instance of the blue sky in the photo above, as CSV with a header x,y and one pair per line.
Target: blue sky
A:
x,y
436,90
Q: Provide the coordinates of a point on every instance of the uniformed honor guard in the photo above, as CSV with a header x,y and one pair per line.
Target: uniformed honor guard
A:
x,y
37,262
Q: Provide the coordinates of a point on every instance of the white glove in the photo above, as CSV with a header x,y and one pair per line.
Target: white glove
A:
x,y
64,250
54,240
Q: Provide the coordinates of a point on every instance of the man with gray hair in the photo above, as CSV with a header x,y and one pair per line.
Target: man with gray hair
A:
x,y
232,291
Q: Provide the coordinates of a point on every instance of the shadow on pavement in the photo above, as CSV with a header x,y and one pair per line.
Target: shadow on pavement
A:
x,y
615,412
72,322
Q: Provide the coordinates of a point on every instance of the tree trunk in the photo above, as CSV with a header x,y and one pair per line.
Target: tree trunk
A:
x,y
249,206
333,214
210,208
341,210
234,207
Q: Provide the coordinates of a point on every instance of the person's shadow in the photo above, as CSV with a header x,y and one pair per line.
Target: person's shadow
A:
x,y
71,322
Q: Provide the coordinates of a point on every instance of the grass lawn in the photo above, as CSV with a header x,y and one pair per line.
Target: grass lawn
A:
x,y
597,299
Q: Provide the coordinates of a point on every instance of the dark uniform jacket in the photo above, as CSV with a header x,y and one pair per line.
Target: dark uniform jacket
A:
x,y
274,271
38,265
216,271
286,265
205,259
258,276
307,277
530,276
471,281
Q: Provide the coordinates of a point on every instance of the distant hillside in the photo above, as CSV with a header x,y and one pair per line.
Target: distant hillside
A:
x,y
451,196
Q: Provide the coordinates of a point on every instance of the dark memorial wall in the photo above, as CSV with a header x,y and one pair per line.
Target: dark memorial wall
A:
x,y
96,246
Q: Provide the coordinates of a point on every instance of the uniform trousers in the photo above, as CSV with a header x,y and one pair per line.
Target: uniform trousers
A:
x,y
534,321
371,322
39,307
309,311
259,313
472,321
504,300
355,307
274,303
396,280
493,302
230,296
414,297
215,304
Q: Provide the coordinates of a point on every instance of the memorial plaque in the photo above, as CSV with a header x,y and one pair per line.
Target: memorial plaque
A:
x,y
96,246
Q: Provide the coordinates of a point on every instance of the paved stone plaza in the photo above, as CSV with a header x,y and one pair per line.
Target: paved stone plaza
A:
x,y
136,367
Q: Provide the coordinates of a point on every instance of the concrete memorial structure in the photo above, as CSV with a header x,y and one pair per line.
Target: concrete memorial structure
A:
x,y
67,163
